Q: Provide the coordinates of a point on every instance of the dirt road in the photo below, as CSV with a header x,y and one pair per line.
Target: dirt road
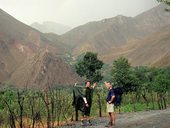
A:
x,y
148,119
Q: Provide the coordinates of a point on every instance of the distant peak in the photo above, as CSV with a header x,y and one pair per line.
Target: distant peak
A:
x,y
121,17
118,19
2,11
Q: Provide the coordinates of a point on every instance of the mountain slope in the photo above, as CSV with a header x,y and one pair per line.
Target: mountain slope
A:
x,y
16,33
7,61
96,35
101,36
18,42
43,69
153,49
164,61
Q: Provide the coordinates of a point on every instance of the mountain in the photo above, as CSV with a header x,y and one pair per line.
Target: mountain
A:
x,y
164,61
151,51
24,38
31,58
51,27
96,36
154,50
42,70
18,42
7,61
102,36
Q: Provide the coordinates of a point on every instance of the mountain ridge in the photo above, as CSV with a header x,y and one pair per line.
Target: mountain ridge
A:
x,y
101,36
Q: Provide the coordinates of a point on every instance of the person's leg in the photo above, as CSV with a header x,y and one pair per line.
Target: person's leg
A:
x,y
110,120
113,115
110,117
88,116
88,121
83,119
110,110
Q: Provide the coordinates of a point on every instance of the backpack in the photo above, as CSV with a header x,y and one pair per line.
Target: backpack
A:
x,y
78,101
118,96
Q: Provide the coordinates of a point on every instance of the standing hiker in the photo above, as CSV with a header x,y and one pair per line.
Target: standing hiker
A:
x,y
83,102
110,104
85,120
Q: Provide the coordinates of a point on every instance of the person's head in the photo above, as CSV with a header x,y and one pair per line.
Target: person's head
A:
x,y
87,83
108,85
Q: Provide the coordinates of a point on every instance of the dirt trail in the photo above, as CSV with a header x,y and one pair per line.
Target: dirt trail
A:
x,y
148,119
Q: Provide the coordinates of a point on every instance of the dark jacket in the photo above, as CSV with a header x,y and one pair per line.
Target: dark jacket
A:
x,y
89,95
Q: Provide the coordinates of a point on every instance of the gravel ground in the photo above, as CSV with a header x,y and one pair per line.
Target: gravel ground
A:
x,y
148,119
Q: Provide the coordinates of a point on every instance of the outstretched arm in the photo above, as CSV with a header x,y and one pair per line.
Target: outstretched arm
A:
x,y
94,85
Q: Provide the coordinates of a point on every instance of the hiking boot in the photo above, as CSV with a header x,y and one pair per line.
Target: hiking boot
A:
x,y
89,123
83,123
110,124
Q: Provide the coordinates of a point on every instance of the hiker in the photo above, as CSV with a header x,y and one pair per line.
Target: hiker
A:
x,y
85,120
83,101
110,104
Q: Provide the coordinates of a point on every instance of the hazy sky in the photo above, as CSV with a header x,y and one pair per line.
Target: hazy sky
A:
x,y
73,12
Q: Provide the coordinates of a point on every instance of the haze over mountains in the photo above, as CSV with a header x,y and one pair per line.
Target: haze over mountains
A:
x,y
31,58
51,27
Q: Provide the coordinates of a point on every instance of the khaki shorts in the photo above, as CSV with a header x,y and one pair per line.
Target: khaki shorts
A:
x,y
110,107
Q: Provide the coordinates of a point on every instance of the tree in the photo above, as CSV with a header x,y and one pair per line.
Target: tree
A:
x,y
120,71
20,99
143,75
152,73
89,67
166,2
161,86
